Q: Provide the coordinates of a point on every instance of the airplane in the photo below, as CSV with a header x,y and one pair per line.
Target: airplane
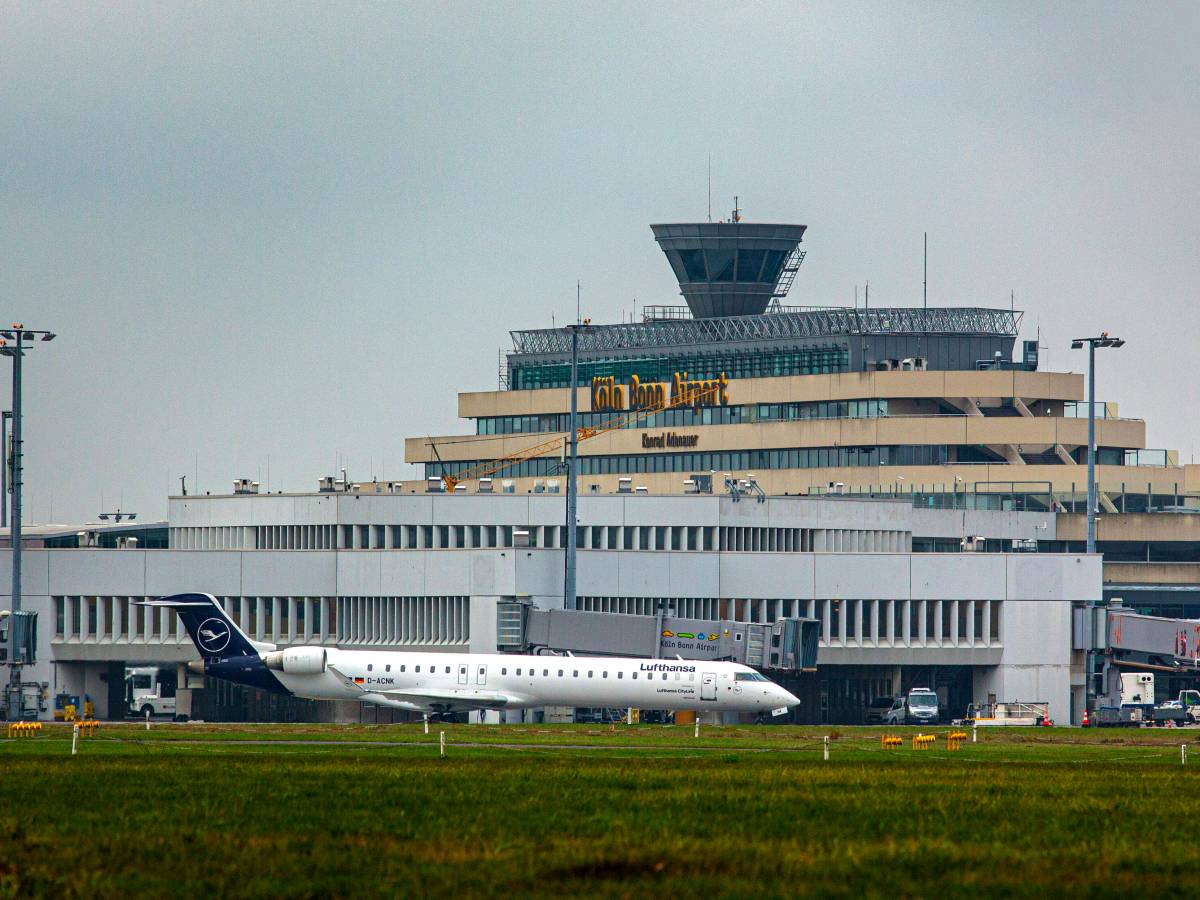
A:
x,y
441,683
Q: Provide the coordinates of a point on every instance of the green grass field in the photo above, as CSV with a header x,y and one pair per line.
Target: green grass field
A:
x,y
316,811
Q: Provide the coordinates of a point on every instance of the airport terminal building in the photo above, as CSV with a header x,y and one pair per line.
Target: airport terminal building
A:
x,y
906,478
439,572
939,401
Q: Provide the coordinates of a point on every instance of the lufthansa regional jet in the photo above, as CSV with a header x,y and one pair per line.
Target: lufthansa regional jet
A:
x,y
438,683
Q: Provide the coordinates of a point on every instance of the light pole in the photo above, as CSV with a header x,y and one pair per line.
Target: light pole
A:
x,y
569,591
1092,343
117,516
7,414
14,344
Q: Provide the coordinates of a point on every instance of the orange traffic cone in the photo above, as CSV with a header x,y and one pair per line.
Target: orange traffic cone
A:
x,y
1086,723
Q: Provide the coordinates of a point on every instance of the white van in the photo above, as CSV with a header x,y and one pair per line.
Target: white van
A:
x,y
920,707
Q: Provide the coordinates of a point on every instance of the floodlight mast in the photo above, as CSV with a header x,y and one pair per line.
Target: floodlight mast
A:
x,y
569,559
21,337
1103,340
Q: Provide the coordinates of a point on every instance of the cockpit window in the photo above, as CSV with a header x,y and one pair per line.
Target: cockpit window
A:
x,y
749,676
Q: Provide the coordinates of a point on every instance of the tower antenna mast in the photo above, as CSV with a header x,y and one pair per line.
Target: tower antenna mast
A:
x,y
710,187
925,283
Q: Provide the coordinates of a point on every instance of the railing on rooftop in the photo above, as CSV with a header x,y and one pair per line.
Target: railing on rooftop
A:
x,y
816,322
663,313
1078,409
1017,496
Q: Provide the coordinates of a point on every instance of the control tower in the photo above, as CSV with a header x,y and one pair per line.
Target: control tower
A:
x,y
728,268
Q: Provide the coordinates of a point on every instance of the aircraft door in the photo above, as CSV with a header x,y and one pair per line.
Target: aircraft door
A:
x,y
462,673
708,686
481,675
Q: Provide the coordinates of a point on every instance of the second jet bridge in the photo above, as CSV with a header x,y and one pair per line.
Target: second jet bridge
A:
x,y
784,645
1116,638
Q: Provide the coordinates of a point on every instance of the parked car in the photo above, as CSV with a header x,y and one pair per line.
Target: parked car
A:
x,y
920,707
877,709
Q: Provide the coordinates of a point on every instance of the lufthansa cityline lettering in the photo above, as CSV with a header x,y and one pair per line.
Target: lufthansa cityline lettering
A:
x,y
608,396
669,439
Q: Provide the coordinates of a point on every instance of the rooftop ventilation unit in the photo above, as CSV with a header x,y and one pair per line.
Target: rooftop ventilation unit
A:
x,y
245,486
325,485
552,486
520,537
624,484
484,486
641,489
508,486
689,486
435,485
460,489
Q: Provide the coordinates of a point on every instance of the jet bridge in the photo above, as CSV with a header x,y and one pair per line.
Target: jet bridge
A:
x,y
1116,638
786,645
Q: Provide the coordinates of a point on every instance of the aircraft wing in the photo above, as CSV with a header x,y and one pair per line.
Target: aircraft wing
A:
x,y
451,700
345,679
429,699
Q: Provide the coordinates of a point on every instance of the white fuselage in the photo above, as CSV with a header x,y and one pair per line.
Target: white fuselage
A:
x,y
515,682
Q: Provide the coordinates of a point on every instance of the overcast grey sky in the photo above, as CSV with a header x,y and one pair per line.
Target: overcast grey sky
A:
x,y
293,231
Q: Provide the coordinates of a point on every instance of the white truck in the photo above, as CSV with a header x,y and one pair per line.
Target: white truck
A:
x,y
1138,706
1137,689
146,690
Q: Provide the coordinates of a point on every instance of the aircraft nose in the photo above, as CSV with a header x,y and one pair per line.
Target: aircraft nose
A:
x,y
788,698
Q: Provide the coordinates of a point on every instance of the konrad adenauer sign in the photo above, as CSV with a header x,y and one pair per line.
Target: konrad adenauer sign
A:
x,y
608,396
669,439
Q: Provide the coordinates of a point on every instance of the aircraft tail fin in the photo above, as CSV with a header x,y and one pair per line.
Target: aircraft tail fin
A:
x,y
211,630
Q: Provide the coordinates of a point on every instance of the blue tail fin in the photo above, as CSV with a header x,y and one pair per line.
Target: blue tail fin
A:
x,y
214,633
226,650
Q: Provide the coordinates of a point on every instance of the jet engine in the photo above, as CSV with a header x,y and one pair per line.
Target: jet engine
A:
x,y
297,660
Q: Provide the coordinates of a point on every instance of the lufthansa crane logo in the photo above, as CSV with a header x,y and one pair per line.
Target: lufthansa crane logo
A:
x,y
212,635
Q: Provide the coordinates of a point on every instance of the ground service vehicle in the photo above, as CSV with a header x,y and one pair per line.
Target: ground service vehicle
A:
x,y
1137,689
1020,713
1190,701
877,708
920,707
146,690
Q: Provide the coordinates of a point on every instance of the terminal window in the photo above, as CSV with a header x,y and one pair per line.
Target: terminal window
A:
x,y
757,364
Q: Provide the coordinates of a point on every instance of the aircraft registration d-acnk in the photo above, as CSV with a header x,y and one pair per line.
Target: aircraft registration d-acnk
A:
x,y
432,683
